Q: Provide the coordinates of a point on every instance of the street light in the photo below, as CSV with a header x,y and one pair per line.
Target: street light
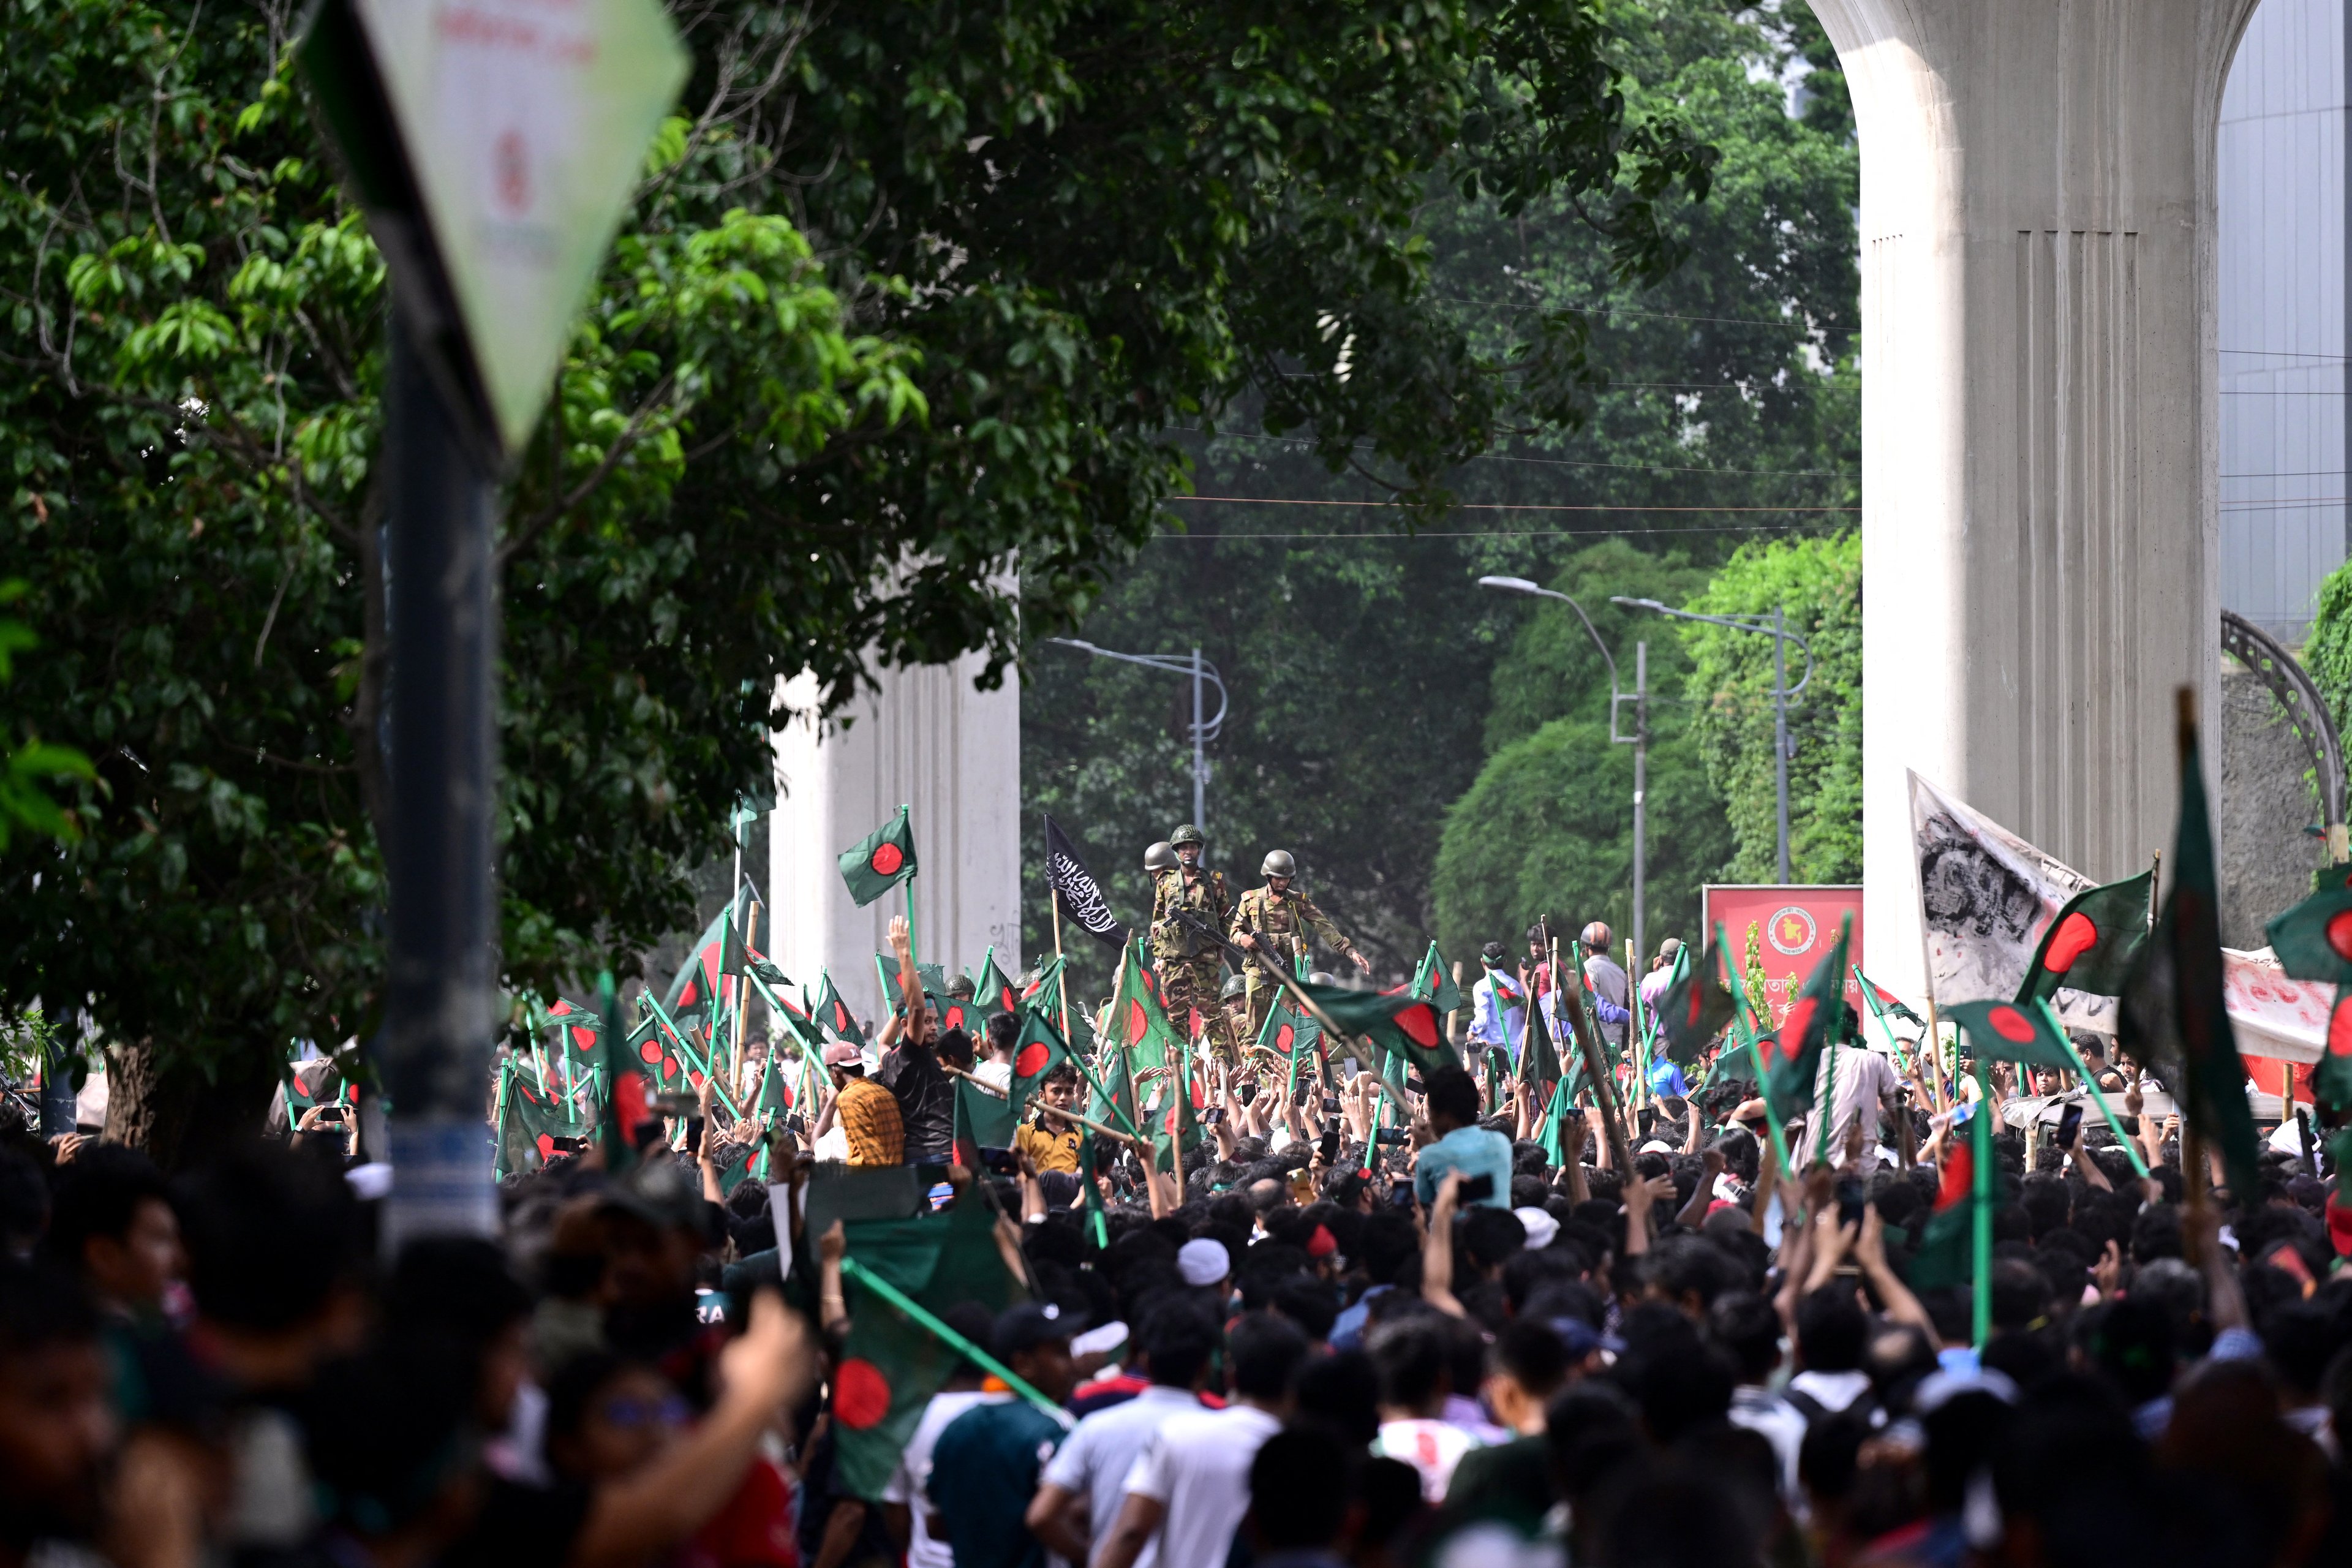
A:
x,y
1777,630
1639,739
1204,730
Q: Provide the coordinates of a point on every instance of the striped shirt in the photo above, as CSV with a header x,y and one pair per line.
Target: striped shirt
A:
x,y
868,1113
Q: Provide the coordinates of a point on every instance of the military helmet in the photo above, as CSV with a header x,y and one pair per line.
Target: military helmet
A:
x,y
1277,863
1188,833
1160,856
1234,986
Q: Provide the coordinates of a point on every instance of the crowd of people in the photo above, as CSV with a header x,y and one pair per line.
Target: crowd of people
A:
x,y
1330,1333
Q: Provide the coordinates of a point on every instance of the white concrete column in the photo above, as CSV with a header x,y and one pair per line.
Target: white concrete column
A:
x,y
928,740
2039,417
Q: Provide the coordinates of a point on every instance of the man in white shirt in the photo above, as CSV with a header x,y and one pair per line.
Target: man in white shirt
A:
x,y
1498,1006
904,1490
1860,1085
1078,1506
1188,1488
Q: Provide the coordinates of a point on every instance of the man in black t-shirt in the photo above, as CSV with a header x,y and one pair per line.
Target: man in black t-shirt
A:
x,y
910,1066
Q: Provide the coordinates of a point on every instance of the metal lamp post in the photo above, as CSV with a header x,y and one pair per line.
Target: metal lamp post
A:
x,y
1776,627
1639,739
1203,675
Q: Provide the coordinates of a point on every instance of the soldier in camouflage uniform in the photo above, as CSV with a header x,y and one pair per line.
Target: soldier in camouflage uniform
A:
x,y
1278,923
1234,998
1191,964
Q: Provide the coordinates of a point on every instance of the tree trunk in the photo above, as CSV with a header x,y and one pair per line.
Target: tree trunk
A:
x,y
173,1111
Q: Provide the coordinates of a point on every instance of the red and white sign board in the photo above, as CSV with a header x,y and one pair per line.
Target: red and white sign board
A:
x,y
1796,927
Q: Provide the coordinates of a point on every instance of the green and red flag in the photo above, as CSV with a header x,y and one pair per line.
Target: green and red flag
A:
x,y
1394,1021
627,1117
832,1014
1541,1058
1139,1026
692,999
2090,945
1816,1019
1044,988
2312,939
956,1014
891,1365
2331,1080
879,861
1693,1010
2009,1032
1038,1050
982,1121
2173,1014
1946,1251
1433,980
994,989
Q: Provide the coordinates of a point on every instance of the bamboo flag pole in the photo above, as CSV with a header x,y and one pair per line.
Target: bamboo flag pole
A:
x,y
1063,970
742,990
1071,1116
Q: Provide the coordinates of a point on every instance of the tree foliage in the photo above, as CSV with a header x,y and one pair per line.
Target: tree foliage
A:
x,y
1817,582
909,300
1717,403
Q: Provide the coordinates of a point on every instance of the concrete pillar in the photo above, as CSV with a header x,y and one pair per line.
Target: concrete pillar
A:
x,y
2039,417
928,740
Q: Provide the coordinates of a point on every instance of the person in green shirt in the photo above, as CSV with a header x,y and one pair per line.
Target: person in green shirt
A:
x,y
989,1459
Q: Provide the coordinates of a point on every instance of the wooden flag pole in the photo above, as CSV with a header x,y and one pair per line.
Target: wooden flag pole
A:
x,y
1071,1116
742,990
1065,970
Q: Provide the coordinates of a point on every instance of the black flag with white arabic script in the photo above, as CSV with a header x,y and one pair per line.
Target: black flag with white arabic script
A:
x,y
1082,896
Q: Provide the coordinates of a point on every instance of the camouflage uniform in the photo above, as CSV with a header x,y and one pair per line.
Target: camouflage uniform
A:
x,y
1191,966
1281,926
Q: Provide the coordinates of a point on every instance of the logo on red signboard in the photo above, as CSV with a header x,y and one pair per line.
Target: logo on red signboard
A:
x,y
1791,931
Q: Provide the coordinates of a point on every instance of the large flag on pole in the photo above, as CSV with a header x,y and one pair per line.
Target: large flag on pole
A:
x,y
2174,1012
2090,944
879,861
1986,897
1082,896
1396,1021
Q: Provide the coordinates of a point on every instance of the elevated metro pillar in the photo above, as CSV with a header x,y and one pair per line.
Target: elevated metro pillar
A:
x,y
2039,418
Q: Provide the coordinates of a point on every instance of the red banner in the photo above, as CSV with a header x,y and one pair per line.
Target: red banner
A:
x,y
1795,929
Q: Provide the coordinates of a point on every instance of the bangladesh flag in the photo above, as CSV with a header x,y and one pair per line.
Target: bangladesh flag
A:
x,y
1038,1051
1113,1099
2332,1078
2010,1032
1793,1055
982,1121
994,989
1395,1021
719,951
1539,1053
1138,1024
832,1014
1285,1033
1435,981
1947,1245
2090,945
2173,1014
1693,1009
955,1014
1044,992
891,1365
531,1121
575,1027
1176,1120
626,1113
2314,939
879,861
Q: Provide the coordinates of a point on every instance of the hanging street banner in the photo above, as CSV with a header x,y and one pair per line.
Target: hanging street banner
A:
x,y
1795,925
517,136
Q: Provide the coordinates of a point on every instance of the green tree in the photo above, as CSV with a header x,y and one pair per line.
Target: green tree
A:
x,y
906,299
1818,584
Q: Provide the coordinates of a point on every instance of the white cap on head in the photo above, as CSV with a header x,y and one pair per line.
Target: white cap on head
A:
x,y
1202,1261
1541,1227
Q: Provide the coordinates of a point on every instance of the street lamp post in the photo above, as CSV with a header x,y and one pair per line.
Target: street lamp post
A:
x,y
1776,627
1639,739
1203,674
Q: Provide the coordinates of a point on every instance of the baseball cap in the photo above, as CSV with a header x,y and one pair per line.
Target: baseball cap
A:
x,y
1203,1261
1033,1323
842,1054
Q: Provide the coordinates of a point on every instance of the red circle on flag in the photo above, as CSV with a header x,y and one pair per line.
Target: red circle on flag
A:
x,y
687,997
650,1051
1420,1024
2074,937
1283,1038
1032,1059
695,1079
2339,1031
861,1395
1799,1023
1150,983
1006,1001
887,858
546,1147
2010,1023
2339,934
1136,1023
